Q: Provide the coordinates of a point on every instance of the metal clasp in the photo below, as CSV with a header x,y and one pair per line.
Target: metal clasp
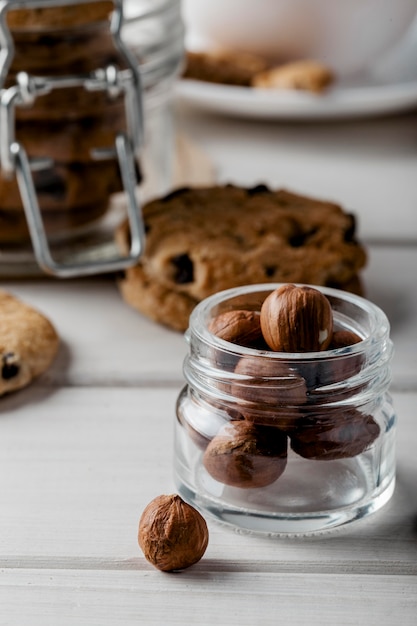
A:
x,y
14,159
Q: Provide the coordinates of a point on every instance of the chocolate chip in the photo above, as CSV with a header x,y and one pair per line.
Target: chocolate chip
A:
x,y
10,368
333,284
46,40
184,269
270,271
50,183
349,234
175,194
299,239
138,172
253,191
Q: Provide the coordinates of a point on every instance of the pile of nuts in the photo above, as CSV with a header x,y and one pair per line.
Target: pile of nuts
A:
x,y
278,403
292,319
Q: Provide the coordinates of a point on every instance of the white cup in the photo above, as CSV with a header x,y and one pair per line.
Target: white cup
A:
x,y
347,35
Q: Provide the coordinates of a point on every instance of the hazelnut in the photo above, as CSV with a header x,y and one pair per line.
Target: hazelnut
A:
x,y
246,455
342,367
239,327
269,382
172,534
341,434
343,338
297,319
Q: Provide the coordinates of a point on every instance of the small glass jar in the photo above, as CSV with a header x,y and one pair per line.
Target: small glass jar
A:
x,y
285,443
86,92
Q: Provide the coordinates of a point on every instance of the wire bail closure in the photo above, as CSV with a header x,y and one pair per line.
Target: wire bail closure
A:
x,y
14,159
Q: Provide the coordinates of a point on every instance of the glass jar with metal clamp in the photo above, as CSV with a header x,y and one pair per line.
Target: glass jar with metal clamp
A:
x,y
76,77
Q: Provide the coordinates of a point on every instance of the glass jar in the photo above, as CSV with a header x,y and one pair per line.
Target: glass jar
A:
x,y
85,95
285,443
153,31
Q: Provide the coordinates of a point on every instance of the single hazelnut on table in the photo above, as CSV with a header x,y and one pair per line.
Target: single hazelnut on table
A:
x,y
172,534
297,319
240,327
246,455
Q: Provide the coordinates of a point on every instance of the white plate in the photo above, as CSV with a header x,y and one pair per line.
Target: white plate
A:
x,y
391,88
339,102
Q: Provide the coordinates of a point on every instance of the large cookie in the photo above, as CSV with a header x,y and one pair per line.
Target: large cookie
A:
x,y
28,343
200,241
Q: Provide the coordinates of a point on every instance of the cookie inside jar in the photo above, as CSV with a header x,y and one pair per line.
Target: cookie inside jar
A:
x,y
63,127
88,86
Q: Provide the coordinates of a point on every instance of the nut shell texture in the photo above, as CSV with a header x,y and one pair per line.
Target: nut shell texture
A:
x,y
246,455
343,338
172,534
343,434
240,327
297,319
269,382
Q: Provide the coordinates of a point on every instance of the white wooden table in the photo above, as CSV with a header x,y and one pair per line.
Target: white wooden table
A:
x,y
85,448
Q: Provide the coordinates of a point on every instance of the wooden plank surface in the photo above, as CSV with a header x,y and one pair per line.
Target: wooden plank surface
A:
x,y
204,597
84,449
77,467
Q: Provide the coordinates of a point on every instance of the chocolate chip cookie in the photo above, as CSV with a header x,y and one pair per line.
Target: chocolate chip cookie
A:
x,y
28,343
203,240
228,68
70,196
248,70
